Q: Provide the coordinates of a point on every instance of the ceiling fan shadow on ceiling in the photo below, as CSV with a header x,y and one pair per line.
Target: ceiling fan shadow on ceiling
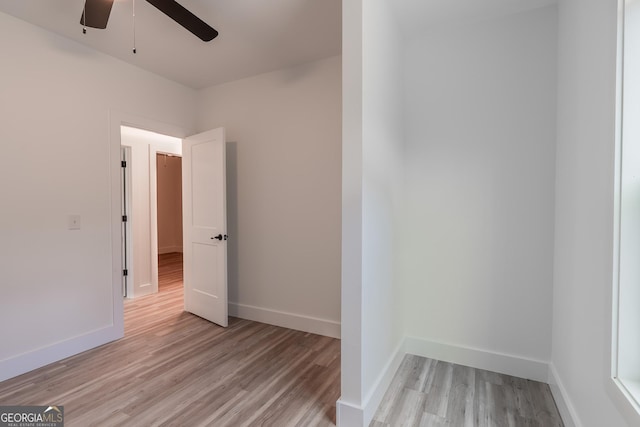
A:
x,y
96,15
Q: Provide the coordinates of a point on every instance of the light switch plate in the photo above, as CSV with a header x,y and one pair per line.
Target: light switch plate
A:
x,y
74,222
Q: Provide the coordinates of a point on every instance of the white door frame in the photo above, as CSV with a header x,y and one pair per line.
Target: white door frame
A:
x,y
126,191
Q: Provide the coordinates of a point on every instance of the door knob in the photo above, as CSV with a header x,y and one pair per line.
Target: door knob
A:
x,y
219,237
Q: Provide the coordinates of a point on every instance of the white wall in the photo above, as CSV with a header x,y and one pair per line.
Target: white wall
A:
x,y
57,99
480,149
382,201
629,244
169,169
584,213
372,201
283,193
349,407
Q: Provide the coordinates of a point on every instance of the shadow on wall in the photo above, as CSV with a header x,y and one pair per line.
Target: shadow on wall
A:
x,y
299,73
232,220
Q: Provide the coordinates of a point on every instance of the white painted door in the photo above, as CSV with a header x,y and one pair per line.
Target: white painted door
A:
x,y
205,226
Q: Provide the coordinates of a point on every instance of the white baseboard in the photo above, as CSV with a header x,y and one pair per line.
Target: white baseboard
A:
x,y
169,249
142,290
565,407
381,385
502,363
35,359
349,415
298,322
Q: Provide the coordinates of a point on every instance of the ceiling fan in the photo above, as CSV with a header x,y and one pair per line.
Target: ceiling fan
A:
x,y
96,14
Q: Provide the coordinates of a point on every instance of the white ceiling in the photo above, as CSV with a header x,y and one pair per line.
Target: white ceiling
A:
x,y
256,36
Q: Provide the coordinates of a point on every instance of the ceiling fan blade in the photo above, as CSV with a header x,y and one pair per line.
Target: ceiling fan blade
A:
x,y
96,13
188,20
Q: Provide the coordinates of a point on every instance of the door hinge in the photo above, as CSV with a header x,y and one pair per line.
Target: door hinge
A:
x,y
123,163
125,272
125,218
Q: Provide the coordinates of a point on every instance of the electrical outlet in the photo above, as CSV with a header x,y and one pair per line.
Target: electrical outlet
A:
x,y
74,222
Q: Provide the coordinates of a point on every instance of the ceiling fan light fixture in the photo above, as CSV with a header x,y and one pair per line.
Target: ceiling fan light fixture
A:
x,y
96,15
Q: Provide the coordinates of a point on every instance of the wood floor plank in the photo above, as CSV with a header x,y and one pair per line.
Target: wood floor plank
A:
x,y
460,396
440,389
175,369
431,420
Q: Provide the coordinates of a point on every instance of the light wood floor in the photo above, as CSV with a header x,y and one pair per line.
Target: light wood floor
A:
x,y
176,369
426,392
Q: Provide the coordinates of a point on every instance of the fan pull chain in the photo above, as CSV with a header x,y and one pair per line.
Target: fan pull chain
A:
x,y
84,18
134,26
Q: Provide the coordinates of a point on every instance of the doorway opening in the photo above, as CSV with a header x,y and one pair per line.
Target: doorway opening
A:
x,y
169,223
202,180
152,210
